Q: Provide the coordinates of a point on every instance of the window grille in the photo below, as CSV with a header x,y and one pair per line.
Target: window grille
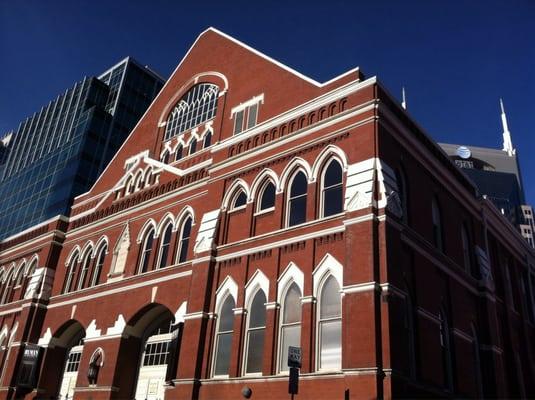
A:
x,y
197,106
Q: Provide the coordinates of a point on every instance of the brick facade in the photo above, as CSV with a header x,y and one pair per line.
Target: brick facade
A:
x,y
425,310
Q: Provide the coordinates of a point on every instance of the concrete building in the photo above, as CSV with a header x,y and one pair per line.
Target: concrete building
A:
x,y
253,208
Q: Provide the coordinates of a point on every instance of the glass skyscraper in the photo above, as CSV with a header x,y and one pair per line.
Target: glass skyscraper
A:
x,y
57,153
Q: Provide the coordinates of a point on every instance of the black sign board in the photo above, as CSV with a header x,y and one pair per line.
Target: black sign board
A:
x,y
29,366
294,357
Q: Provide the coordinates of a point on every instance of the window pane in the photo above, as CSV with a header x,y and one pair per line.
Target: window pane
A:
x,y
292,305
165,246
333,201
207,140
257,313
238,122
251,119
255,350
178,153
241,200
226,321
222,363
268,197
299,185
333,174
298,211
330,303
291,336
193,146
330,346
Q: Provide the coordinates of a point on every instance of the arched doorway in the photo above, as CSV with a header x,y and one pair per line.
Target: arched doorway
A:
x,y
62,361
150,347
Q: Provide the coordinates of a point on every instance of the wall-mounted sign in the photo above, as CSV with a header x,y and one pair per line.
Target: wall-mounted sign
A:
x,y
29,366
464,152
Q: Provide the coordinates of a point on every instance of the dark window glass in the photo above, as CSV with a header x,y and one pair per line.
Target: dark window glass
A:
x,y
178,153
207,140
164,247
332,190
165,157
69,284
98,266
184,241
193,146
267,199
145,254
297,204
240,200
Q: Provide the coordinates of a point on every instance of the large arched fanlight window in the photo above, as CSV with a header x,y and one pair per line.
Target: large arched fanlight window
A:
x,y
331,192
198,105
290,327
223,341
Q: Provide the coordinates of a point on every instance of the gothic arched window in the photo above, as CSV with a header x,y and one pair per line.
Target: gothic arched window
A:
x,y
223,341
71,273
330,325
256,331
101,255
297,200
165,242
146,251
183,243
267,196
332,198
290,327
198,105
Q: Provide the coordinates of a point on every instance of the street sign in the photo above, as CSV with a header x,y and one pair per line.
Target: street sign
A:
x,y
294,357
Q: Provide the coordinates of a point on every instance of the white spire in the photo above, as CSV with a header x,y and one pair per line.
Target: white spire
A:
x,y
403,100
507,142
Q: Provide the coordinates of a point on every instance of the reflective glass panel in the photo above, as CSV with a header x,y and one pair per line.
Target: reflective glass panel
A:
x,y
330,345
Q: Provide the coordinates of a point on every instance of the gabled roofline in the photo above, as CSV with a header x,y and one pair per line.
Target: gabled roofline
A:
x,y
212,29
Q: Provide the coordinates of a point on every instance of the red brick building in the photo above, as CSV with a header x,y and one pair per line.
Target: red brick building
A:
x,y
253,208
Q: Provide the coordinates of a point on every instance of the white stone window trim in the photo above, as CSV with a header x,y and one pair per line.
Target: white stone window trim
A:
x,y
232,193
246,104
261,190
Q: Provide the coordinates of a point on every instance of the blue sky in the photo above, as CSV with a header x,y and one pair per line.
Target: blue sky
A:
x,y
455,58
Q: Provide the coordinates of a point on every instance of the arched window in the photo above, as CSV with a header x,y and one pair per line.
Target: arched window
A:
x,y
239,200
256,331
198,105
297,200
165,242
223,342
146,250
29,274
267,196
183,243
445,344
101,255
84,272
332,199
465,238
207,140
290,327
178,152
165,157
403,194
192,146
330,326
6,298
437,225
71,273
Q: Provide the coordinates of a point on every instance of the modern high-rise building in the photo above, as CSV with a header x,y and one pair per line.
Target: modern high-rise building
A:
x,y
497,176
59,151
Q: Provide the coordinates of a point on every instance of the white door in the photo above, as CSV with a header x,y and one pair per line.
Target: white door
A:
x,y
151,378
70,373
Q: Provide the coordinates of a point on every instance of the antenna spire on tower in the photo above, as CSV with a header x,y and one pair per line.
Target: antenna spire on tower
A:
x,y
507,142
403,100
